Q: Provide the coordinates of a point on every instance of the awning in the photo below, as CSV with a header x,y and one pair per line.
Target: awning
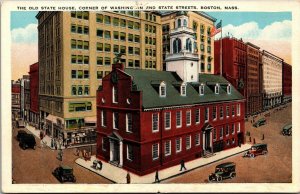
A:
x,y
53,118
90,119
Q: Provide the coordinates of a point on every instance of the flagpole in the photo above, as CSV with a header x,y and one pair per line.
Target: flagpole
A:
x,y
221,49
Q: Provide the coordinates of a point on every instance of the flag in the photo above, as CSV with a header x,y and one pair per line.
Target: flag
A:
x,y
216,29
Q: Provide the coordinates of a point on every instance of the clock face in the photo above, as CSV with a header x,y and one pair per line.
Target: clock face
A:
x,y
114,77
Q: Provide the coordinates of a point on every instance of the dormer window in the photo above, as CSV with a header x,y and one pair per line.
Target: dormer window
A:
x,y
217,89
183,89
162,90
229,89
201,89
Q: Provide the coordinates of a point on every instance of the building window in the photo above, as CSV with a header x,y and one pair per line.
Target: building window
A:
x,y
129,152
214,113
221,112
168,148
115,94
103,144
227,111
197,139
197,116
233,141
238,109
229,89
103,118
217,89
221,132
206,114
183,90
74,90
155,151
86,90
227,130
162,90
80,106
107,20
227,142
167,120
178,145
233,128
188,118
239,127
201,89
99,74
178,119
155,121
188,142
233,110
215,134
115,120
128,122
99,18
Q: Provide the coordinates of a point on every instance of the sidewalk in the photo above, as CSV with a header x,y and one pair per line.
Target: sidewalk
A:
x,y
118,175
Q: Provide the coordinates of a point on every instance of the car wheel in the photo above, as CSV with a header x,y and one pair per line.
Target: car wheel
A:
x,y
219,178
252,155
232,175
264,152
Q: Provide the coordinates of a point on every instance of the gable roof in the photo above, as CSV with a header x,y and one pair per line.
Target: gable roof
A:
x,y
150,95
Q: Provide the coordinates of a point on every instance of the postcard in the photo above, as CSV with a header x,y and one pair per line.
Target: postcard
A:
x,y
131,96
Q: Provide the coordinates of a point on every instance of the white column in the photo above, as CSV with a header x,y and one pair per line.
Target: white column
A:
x,y
211,139
121,153
171,45
111,147
203,142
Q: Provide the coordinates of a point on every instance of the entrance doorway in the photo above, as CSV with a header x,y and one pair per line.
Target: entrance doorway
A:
x,y
116,149
207,138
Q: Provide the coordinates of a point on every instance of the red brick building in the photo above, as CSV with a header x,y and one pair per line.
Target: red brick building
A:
x,y
234,62
15,99
149,120
287,82
34,93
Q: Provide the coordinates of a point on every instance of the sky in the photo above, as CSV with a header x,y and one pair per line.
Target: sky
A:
x,y
272,31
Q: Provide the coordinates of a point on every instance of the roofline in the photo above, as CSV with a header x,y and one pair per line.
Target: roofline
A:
x,y
253,45
272,55
201,13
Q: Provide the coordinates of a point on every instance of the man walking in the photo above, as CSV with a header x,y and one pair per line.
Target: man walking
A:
x,y
182,166
156,177
128,178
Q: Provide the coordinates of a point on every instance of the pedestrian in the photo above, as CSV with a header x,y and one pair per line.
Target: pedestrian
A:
x,y
128,178
263,137
182,166
156,177
250,139
253,140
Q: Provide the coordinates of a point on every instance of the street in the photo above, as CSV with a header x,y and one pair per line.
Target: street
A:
x,y
275,167
36,166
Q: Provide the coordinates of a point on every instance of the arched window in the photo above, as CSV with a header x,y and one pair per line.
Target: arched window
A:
x,y
188,45
80,90
162,90
176,45
184,23
183,89
178,23
229,89
217,89
201,89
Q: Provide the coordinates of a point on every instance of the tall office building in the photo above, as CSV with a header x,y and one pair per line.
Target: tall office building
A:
x,y
76,49
197,23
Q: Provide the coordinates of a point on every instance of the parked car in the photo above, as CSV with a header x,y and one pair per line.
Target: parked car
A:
x,y
27,141
257,149
223,171
64,174
287,130
21,133
260,122
20,124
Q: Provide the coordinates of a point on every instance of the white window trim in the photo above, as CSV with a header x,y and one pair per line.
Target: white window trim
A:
x,y
157,151
103,147
197,135
183,89
189,124
114,126
227,116
198,115
221,107
229,89
169,120
127,126
217,89
215,132
239,127
127,150
233,128
238,110
215,113
154,131
207,108
113,95
102,119
201,93
179,126
221,137
226,130
190,145
180,145
170,146
162,85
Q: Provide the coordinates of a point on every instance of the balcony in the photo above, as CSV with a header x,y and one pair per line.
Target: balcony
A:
x,y
182,28
181,54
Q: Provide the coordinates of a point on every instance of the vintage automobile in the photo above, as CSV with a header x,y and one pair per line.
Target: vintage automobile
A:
x,y
64,174
287,130
257,149
223,171
27,141
260,122
21,133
